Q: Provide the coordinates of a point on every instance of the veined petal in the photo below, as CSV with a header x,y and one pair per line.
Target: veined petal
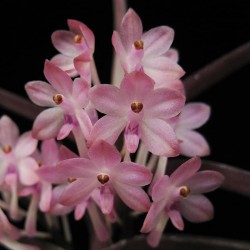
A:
x,y
65,131
160,188
197,208
84,122
185,170
41,93
25,145
204,181
107,99
157,41
80,209
134,197
162,69
48,123
131,28
159,137
107,128
66,153
63,41
9,131
46,196
136,86
69,168
172,54
176,219
65,63
192,143
164,104
106,200
194,115
132,137
49,150
59,79
104,154
152,218
82,64
133,174
77,191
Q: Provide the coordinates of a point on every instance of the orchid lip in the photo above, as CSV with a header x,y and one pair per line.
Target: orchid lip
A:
x,y
103,178
184,191
136,107
58,98
6,149
138,44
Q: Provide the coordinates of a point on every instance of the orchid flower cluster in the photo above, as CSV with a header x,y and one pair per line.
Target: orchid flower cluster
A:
x,y
124,132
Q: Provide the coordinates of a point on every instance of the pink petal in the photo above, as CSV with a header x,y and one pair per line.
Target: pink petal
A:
x,y
84,122
205,181
164,104
154,237
152,218
172,54
27,171
134,197
185,170
80,210
82,64
197,208
63,41
133,174
192,143
65,63
69,168
78,28
107,128
49,150
46,196
59,79
157,41
41,93
64,131
66,153
106,200
107,99
162,69
48,123
160,188
194,115
131,28
159,138
173,84
132,137
26,145
9,131
104,154
176,219
136,86
77,191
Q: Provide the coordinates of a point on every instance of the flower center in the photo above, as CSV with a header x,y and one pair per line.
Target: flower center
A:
x,y
6,149
70,180
103,178
136,107
184,191
58,99
138,44
78,38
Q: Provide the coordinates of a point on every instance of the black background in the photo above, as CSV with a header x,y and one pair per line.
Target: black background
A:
x,y
204,30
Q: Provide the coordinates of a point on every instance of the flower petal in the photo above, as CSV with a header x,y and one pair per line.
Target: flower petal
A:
x,y
41,93
134,197
106,200
49,150
46,196
197,208
185,170
82,64
204,181
157,40
48,123
176,219
27,171
194,115
159,138
59,79
192,143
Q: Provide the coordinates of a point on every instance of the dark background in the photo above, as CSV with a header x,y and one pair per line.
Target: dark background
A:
x,y
204,30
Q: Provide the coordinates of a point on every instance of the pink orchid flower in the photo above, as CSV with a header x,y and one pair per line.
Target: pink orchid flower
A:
x,y
192,117
105,171
180,195
139,109
17,167
147,51
76,47
66,99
